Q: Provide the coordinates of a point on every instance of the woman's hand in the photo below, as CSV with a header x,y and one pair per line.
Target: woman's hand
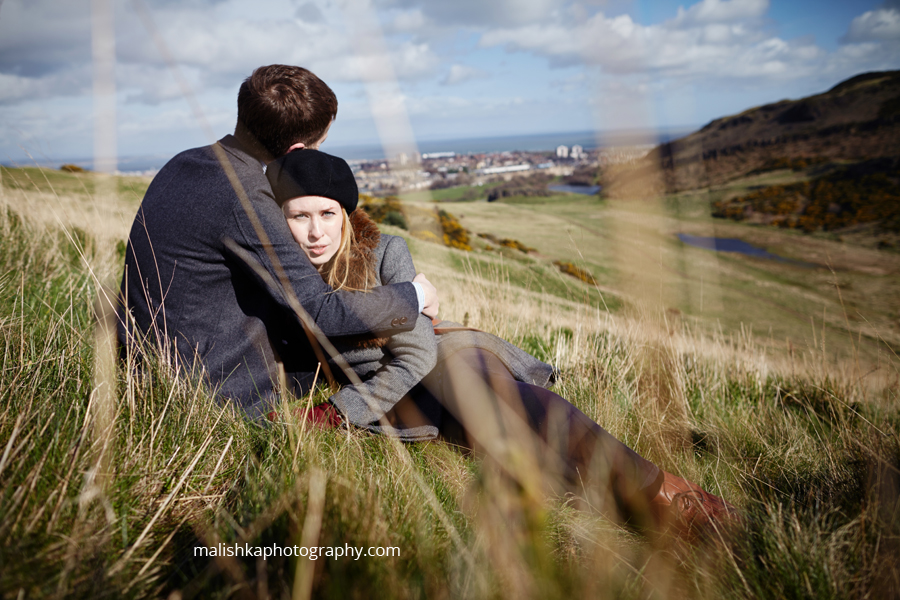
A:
x,y
432,302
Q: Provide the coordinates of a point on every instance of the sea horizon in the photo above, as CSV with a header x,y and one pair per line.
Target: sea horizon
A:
x,y
535,142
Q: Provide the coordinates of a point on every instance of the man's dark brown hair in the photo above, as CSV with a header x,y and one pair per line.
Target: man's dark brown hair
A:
x,y
282,105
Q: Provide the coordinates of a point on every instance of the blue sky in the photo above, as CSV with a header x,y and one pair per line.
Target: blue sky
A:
x,y
407,70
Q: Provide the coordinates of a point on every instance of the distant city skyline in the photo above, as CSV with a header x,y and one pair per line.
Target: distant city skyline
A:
x,y
541,142
408,71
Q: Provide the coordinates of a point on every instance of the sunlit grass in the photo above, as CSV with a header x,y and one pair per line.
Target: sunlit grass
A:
x,y
808,450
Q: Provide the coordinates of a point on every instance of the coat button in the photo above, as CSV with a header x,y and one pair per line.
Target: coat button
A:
x,y
395,322
403,321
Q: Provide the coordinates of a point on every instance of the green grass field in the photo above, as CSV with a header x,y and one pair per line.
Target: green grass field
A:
x,y
772,386
462,193
632,249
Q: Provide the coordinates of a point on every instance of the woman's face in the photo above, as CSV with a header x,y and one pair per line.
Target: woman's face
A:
x,y
316,223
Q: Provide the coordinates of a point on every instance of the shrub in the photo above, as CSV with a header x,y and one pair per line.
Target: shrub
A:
x,y
794,164
396,219
862,193
72,169
585,175
506,243
533,185
387,210
515,245
424,234
455,235
570,269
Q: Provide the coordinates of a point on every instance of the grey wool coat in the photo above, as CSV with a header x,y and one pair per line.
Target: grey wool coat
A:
x,y
208,277
390,372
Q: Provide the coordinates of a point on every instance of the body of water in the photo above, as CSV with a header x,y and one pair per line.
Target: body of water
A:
x,y
587,190
735,245
481,145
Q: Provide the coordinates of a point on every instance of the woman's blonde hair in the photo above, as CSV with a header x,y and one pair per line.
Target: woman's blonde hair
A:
x,y
337,270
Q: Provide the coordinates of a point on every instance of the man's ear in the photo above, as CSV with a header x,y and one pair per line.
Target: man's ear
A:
x,y
297,146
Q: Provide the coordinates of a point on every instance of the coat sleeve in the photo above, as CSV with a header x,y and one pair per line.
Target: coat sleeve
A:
x,y
385,310
413,354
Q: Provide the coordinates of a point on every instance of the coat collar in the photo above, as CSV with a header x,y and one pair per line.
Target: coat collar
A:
x,y
241,151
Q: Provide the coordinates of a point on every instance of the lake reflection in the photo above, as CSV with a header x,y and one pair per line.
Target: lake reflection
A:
x,y
735,245
587,190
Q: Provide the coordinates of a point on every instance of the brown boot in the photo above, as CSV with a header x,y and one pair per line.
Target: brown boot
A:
x,y
688,511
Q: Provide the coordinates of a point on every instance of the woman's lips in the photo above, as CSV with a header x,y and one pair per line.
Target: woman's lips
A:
x,y
317,250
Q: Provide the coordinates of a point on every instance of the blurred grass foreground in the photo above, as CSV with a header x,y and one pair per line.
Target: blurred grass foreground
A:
x,y
108,483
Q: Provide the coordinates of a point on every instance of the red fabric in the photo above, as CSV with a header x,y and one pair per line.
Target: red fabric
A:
x,y
324,415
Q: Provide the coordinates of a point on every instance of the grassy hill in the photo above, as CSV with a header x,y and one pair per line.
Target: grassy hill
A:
x,y
858,119
771,385
832,198
842,286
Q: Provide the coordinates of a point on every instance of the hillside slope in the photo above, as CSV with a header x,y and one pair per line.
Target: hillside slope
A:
x,y
857,119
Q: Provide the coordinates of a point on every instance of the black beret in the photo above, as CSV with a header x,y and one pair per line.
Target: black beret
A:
x,y
313,173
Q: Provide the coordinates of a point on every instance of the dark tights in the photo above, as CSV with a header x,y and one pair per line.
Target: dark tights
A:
x,y
476,403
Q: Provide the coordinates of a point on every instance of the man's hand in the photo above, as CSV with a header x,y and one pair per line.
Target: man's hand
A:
x,y
432,302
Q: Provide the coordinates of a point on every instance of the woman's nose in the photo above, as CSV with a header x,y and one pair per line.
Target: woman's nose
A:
x,y
315,228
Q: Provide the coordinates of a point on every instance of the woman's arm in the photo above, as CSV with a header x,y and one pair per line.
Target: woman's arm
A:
x,y
412,354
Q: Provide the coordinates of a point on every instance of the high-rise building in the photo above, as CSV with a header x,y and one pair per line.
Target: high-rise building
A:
x,y
562,152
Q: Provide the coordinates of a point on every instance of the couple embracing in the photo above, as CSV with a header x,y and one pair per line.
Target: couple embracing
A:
x,y
231,237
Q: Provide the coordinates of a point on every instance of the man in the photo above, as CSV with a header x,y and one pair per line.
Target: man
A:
x,y
212,275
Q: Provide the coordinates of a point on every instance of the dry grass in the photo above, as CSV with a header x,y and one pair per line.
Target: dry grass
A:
x,y
631,248
108,481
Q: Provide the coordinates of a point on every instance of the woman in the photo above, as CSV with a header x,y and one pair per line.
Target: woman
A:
x,y
467,387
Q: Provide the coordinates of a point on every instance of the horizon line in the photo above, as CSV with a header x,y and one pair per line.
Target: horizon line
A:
x,y
598,136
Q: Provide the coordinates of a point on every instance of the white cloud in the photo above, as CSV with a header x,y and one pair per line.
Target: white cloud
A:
x,y
722,11
134,78
15,89
408,61
65,83
462,73
38,38
231,46
875,25
177,118
691,45
412,60
309,13
45,48
572,83
408,21
42,130
481,13
45,54
851,59
459,107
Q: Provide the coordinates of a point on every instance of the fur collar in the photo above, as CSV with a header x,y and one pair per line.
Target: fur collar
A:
x,y
362,267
